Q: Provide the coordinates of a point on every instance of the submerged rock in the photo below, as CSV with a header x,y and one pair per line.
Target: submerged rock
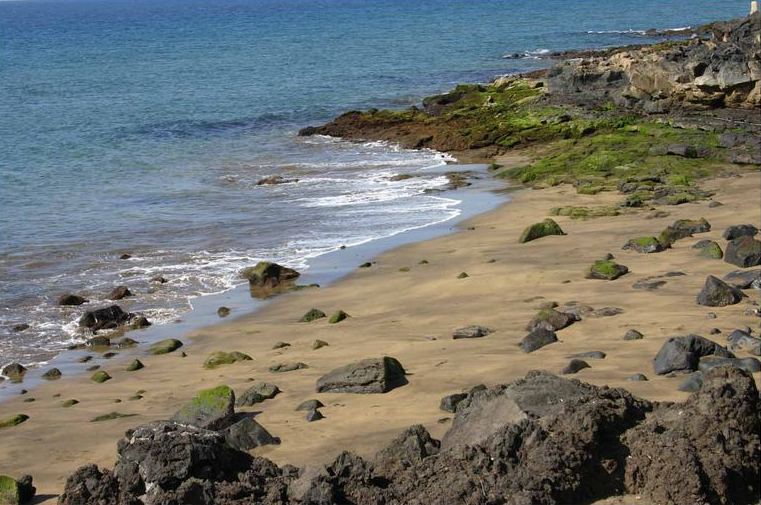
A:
x,y
375,375
15,372
267,277
71,299
119,292
104,318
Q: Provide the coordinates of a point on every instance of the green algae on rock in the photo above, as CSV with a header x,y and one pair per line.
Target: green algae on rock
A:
x,y
100,377
644,245
606,270
312,315
225,358
211,409
538,230
165,346
712,251
135,365
14,420
338,316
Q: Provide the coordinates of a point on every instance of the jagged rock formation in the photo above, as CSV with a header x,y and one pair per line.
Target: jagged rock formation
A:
x,y
722,71
539,440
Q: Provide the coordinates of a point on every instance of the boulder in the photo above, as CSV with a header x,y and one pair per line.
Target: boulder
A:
x,y
633,335
220,358
744,279
740,230
309,405
538,230
103,318
740,340
312,315
135,365
99,341
717,293
537,339
211,409
338,316
257,394
375,375
71,299
165,346
574,366
473,331
267,276
682,354
712,250
551,319
247,434
743,252
52,374
644,245
15,372
100,377
314,415
606,270
119,292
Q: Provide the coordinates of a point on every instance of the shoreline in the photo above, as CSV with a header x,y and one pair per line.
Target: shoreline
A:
x,y
482,194
398,314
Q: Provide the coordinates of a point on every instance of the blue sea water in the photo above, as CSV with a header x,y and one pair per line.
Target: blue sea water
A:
x,y
142,127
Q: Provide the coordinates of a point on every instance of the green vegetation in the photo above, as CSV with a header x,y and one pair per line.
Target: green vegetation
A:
x,y
712,251
607,270
539,230
585,212
9,491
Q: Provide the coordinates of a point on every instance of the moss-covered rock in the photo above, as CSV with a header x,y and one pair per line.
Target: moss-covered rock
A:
x,y
15,372
69,403
110,416
312,315
225,358
606,270
319,344
52,374
165,346
211,409
10,492
539,230
14,420
135,365
743,252
267,278
463,275
100,377
585,212
712,251
644,245
338,316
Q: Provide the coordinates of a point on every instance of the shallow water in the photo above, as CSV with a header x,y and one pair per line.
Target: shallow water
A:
x,y
142,127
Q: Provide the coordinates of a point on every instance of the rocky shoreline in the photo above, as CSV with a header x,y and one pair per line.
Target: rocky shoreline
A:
x,y
635,136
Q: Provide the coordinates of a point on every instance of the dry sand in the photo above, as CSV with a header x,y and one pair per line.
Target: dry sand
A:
x,y
410,315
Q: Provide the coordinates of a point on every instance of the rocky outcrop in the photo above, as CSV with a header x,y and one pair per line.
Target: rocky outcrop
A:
x,y
723,70
540,440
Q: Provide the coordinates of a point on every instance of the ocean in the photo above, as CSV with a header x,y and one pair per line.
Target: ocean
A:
x,y
142,127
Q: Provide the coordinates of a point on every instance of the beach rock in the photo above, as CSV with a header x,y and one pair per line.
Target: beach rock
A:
x,y
633,335
606,270
574,366
644,245
159,279
319,344
211,409
88,485
280,345
700,244
312,315
538,230
314,415
717,293
125,342
52,374
637,377
683,228
267,276
551,319
220,358
287,367
223,311
744,279
119,292
538,339
682,354
750,365
743,252
309,405
257,394
712,250
14,420
607,312
740,340
138,322
18,328
165,346
247,434
99,341
274,179
589,354
135,365
375,375
473,331
740,230
692,383
71,299
15,372
104,318
338,316
100,377
715,435
449,403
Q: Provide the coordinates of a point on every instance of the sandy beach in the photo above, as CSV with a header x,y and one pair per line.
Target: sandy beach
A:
x,y
410,314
